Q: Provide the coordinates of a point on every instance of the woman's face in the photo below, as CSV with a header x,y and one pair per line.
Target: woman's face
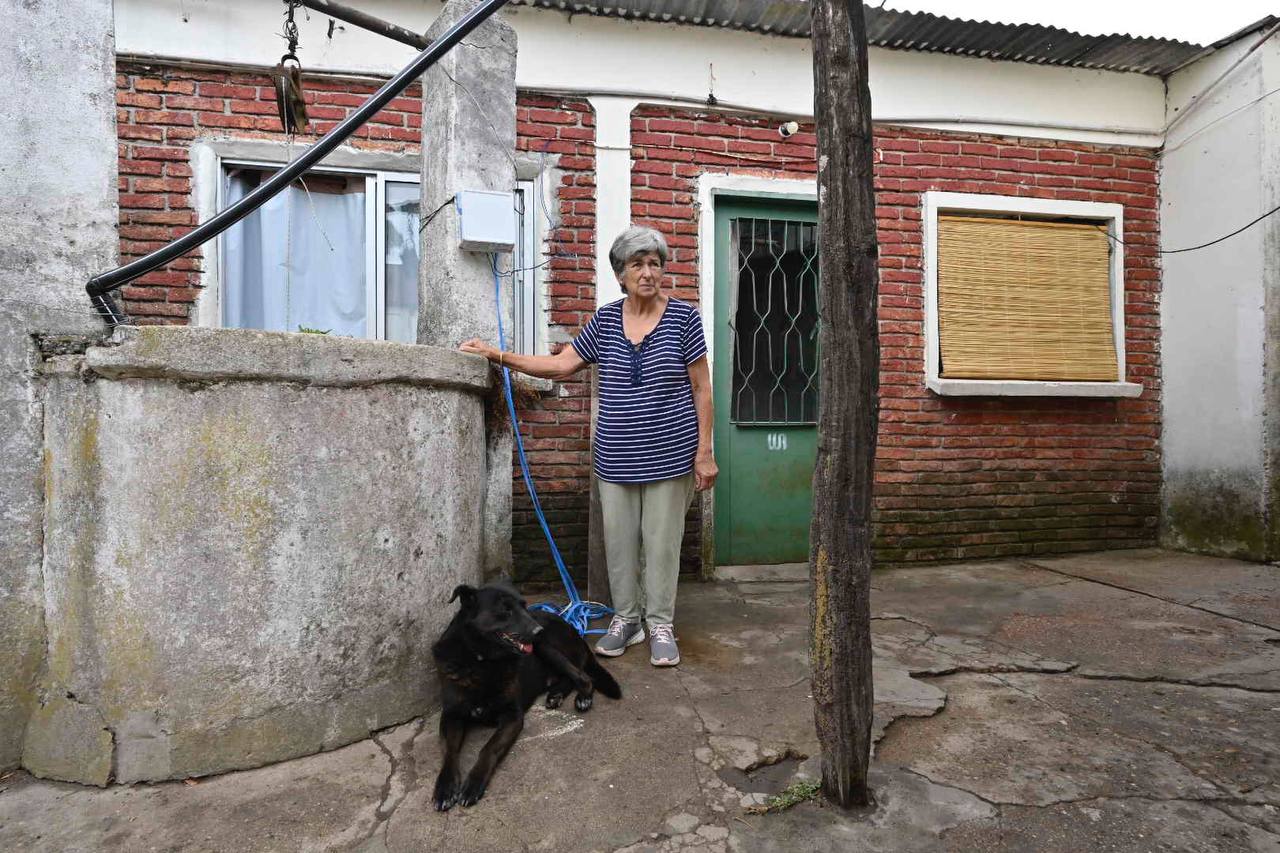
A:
x,y
642,275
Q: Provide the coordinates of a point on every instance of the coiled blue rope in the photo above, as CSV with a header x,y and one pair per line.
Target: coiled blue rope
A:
x,y
577,612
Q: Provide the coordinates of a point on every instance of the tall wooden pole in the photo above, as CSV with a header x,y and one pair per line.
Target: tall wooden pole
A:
x,y
849,380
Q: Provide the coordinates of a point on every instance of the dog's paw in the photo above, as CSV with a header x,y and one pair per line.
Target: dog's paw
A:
x,y
583,703
445,796
471,792
554,700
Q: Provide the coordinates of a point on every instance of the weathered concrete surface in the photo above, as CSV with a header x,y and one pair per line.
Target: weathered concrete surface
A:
x,y
334,795
239,570
1215,511
1008,745
194,354
468,134
57,228
1112,825
1249,591
21,591
990,745
1106,631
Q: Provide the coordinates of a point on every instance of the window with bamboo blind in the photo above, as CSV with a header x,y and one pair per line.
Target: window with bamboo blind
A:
x,y
1023,296
1024,299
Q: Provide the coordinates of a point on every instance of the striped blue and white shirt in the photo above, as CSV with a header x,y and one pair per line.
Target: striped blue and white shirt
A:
x,y
647,428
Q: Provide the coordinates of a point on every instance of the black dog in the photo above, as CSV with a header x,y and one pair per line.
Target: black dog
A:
x,y
494,659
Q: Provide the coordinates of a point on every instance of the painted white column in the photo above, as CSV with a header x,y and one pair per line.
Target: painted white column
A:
x,y
613,184
613,214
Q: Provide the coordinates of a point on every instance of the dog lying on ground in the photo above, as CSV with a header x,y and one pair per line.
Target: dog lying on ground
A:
x,y
495,658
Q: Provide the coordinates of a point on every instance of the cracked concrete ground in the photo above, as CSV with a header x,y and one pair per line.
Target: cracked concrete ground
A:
x,y
1117,701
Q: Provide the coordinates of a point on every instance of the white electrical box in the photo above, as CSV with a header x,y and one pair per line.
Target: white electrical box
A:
x,y
486,221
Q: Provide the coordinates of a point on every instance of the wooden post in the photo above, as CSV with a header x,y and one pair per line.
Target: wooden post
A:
x,y
849,363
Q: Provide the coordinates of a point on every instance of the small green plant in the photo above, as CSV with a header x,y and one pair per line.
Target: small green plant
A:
x,y
310,331
794,795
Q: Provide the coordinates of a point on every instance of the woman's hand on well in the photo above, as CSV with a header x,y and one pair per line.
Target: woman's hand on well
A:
x,y
705,472
476,346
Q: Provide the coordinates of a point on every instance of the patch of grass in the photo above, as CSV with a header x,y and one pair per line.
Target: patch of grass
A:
x,y
794,795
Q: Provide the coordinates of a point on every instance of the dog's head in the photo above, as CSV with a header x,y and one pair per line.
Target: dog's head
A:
x,y
496,620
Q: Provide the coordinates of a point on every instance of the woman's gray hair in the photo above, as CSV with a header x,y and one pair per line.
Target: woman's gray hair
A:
x,y
636,240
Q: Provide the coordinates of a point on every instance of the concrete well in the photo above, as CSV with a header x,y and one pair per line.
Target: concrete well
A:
x,y
250,539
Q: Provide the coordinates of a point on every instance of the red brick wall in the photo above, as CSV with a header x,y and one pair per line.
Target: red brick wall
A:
x,y
556,431
670,149
161,109
957,477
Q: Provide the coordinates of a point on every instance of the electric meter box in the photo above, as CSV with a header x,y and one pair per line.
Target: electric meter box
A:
x,y
486,221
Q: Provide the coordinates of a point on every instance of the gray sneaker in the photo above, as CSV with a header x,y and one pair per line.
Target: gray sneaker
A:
x,y
621,634
662,645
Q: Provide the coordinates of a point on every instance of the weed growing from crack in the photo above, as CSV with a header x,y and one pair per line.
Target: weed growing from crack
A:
x,y
794,795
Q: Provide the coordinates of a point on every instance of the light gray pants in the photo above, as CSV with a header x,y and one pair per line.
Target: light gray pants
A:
x,y
643,528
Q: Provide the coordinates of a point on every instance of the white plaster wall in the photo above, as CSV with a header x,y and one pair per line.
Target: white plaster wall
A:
x,y
1270,236
1211,180
1218,172
613,184
605,56
57,229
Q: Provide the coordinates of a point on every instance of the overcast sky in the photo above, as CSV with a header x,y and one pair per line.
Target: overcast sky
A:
x,y
1197,21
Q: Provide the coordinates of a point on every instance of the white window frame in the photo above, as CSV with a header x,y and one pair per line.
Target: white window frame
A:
x,y
375,183
528,318
1112,215
210,161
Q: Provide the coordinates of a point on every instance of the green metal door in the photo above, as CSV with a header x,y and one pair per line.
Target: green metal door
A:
x,y
765,379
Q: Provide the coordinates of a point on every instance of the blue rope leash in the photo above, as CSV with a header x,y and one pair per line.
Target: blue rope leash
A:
x,y
577,612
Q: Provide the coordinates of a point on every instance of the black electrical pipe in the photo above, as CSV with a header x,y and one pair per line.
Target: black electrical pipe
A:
x,y
99,287
365,21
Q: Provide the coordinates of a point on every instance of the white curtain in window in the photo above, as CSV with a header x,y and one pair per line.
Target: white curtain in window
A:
x,y
313,277
402,241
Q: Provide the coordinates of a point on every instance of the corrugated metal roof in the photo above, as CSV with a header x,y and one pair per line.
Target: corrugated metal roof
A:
x,y
909,31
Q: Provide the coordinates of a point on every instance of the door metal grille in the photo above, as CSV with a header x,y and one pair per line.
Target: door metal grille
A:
x,y
773,321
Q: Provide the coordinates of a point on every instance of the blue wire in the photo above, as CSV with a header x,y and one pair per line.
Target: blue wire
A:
x,y
577,613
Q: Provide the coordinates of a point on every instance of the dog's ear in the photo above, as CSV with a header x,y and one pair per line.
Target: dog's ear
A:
x,y
465,592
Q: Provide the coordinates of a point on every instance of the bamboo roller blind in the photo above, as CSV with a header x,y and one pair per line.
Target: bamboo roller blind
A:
x,y
1020,299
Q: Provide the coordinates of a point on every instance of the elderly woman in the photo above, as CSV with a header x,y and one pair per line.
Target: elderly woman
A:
x,y
652,447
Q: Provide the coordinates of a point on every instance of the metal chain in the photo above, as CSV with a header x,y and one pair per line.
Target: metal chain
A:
x,y
291,36
288,236
290,27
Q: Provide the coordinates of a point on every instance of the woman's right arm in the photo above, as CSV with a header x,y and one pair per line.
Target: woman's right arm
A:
x,y
559,366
